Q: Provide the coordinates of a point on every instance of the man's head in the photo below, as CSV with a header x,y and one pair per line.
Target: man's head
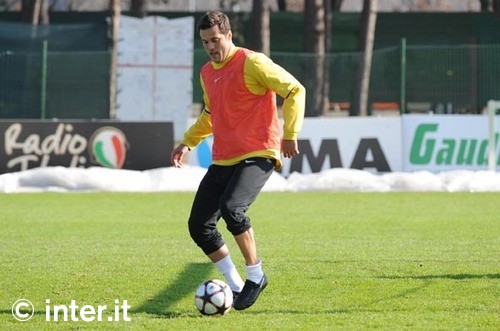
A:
x,y
216,35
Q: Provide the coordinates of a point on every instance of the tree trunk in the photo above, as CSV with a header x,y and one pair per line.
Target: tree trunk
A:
x,y
115,12
138,8
30,11
496,7
490,6
260,26
314,68
367,37
44,12
282,5
485,5
328,48
35,11
336,4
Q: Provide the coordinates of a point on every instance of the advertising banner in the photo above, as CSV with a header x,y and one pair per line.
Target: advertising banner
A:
x,y
120,145
443,143
372,144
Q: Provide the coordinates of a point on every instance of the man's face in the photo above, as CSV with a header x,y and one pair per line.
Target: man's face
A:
x,y
216,44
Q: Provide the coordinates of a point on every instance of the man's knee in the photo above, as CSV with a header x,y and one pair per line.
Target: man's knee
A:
x,y
207,238
236,218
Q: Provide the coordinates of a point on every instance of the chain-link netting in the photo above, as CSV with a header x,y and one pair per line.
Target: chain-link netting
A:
x,y
74,85
444,79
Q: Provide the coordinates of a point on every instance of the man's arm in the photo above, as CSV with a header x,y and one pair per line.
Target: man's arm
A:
x,y
201,129
261,73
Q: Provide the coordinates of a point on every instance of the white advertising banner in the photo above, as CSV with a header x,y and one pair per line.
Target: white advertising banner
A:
x,y
443,142
433,143
155,70
372,144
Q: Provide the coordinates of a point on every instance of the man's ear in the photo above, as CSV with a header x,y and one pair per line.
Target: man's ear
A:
x,y
230,35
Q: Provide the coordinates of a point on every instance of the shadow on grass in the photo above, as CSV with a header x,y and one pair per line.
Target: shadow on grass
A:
x,y
23,311
185,284
295,311
447,276
427,281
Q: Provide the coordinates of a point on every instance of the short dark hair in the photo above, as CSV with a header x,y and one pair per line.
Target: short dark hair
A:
x,y
215,18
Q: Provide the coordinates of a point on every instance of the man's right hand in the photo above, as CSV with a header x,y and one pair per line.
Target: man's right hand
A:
x,y
177,154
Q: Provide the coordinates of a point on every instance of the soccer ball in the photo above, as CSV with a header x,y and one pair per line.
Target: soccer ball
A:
x,y
213,297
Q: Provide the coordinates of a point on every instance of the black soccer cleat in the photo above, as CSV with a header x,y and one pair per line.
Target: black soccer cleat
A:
x,y
249,294
235,295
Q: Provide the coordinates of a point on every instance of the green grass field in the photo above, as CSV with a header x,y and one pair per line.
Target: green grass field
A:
x,y
334,260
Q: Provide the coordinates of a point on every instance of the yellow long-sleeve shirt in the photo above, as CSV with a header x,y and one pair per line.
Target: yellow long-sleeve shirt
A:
x,y
260,75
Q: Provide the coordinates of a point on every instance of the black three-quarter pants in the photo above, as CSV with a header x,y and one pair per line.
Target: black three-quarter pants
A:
x,y
227,192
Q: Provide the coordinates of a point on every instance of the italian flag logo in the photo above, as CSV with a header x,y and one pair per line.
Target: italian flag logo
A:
x,y
108,147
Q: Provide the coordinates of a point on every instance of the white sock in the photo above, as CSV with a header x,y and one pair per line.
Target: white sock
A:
x,y
254,272
228,269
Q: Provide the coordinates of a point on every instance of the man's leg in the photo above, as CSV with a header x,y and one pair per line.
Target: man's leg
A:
x,y
246,243
222,260
203,225
246,183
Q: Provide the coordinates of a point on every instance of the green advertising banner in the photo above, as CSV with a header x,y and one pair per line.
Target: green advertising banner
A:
x,y
443,143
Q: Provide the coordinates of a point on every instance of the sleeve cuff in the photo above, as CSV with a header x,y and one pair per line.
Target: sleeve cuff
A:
x,y
290,135
189,144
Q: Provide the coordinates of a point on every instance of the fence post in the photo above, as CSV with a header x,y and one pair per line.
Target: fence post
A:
x,y
43,96
492,158
402,106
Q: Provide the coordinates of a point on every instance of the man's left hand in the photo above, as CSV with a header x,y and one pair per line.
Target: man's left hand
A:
x,y
289,148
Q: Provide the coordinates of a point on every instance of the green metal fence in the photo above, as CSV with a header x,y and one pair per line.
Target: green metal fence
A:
x,y
457,79
447,79
66,85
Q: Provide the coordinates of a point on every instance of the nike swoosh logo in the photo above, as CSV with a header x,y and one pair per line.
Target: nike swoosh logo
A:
x,y
250,161
217,79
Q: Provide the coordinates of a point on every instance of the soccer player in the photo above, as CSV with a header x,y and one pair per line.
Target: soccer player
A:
x,y
239,92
